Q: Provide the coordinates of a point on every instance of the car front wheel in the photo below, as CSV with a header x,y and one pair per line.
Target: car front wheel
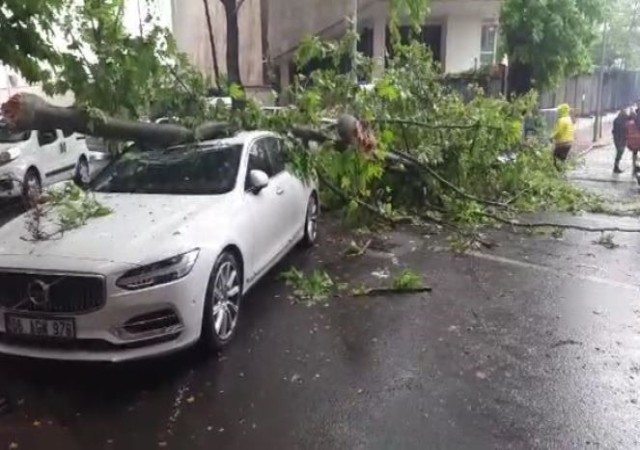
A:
x,y
83,174
31,187
311,222
222,303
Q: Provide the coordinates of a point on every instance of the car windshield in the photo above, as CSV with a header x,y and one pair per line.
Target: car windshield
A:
x,y
9,137
188,171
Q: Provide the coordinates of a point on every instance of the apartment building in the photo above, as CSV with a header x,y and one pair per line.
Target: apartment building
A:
x,y
462,34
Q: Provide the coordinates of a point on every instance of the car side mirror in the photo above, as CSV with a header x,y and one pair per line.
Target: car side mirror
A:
x,y
258,180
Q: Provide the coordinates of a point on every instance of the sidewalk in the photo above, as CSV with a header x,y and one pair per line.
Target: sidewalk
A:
x,y
584,134
595,169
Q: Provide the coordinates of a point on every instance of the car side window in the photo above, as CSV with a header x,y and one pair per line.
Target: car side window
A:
x,y
67,133
259,160
47,137
277,155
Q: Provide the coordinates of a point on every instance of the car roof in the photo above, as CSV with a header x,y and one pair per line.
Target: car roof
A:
x,y
241,138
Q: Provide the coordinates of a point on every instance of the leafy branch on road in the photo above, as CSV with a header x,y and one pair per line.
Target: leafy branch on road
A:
x,y
606,240
311,290
318,287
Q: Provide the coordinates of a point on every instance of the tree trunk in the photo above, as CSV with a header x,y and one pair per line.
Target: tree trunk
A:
x,y
233,41
25,112
212,42
520,79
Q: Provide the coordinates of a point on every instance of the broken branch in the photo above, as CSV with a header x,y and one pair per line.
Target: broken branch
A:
x,y
562,226
407,157
373,292
347,198
30,112
426,125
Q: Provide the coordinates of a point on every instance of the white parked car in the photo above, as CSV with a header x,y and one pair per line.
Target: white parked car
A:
x,y
192,230
34,159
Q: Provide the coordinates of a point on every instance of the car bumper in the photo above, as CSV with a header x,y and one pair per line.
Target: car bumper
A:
x,y
9,185
125,328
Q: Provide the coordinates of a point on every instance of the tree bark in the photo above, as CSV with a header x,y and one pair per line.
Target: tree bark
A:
x,y
212,42
25,112
520,78
233,41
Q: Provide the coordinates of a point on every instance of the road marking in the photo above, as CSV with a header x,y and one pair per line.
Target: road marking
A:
x,y
528,265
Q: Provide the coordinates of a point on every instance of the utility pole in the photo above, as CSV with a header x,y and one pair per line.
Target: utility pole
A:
x,y
354,54
597,124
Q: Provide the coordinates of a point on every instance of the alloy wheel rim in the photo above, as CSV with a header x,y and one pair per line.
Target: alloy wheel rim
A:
x,y
33,187
226,296
83,171
312,219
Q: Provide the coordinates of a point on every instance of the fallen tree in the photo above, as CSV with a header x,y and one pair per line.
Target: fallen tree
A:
x,y
407,151
29,112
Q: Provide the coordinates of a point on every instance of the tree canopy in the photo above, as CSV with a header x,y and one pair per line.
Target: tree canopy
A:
x,y
548,39
623,35
120,74
26,27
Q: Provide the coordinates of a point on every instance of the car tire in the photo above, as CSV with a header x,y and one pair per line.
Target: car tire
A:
x,y
31,186
83,174
311,222
222,303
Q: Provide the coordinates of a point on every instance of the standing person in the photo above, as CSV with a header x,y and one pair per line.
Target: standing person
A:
x,y
620,137
564,135
633,138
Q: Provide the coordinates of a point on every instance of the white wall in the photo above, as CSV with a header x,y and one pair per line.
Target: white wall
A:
x,y
462,43
463,20
135,11
192,37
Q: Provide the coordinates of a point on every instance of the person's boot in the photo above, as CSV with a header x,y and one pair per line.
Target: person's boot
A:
x,y
617,169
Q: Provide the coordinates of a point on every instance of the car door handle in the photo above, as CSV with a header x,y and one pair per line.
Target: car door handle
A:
x,y
279,190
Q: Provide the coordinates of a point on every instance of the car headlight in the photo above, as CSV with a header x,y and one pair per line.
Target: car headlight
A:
x,y
161,272
5,157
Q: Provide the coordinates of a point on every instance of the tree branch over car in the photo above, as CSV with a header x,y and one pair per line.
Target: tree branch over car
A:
x,y
425,154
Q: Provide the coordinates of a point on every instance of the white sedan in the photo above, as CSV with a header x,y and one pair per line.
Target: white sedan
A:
x,y
192,230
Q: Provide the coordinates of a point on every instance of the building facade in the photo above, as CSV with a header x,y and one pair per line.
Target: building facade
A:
x,y
462,34
190,29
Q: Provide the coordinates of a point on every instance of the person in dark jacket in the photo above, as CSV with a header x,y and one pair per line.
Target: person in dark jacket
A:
x,y
633,139
620,137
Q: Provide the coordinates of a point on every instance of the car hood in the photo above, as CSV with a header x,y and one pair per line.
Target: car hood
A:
x,y
139,230
14,146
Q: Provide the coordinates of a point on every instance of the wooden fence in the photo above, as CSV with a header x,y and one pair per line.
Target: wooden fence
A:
x,y
620,89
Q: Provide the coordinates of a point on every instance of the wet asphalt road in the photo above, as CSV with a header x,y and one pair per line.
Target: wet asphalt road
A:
x,y
535,344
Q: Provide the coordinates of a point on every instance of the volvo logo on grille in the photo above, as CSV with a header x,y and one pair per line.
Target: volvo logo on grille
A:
x,y
38,292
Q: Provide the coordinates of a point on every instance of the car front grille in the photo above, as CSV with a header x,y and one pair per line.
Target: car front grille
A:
x,y
51,293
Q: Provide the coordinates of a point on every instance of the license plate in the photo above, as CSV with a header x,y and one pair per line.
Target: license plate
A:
x,y
37,327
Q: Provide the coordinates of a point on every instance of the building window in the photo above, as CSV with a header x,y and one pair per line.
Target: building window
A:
x,y
488,44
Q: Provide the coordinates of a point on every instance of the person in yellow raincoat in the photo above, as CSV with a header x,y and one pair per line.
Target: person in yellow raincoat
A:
x,y
564,135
